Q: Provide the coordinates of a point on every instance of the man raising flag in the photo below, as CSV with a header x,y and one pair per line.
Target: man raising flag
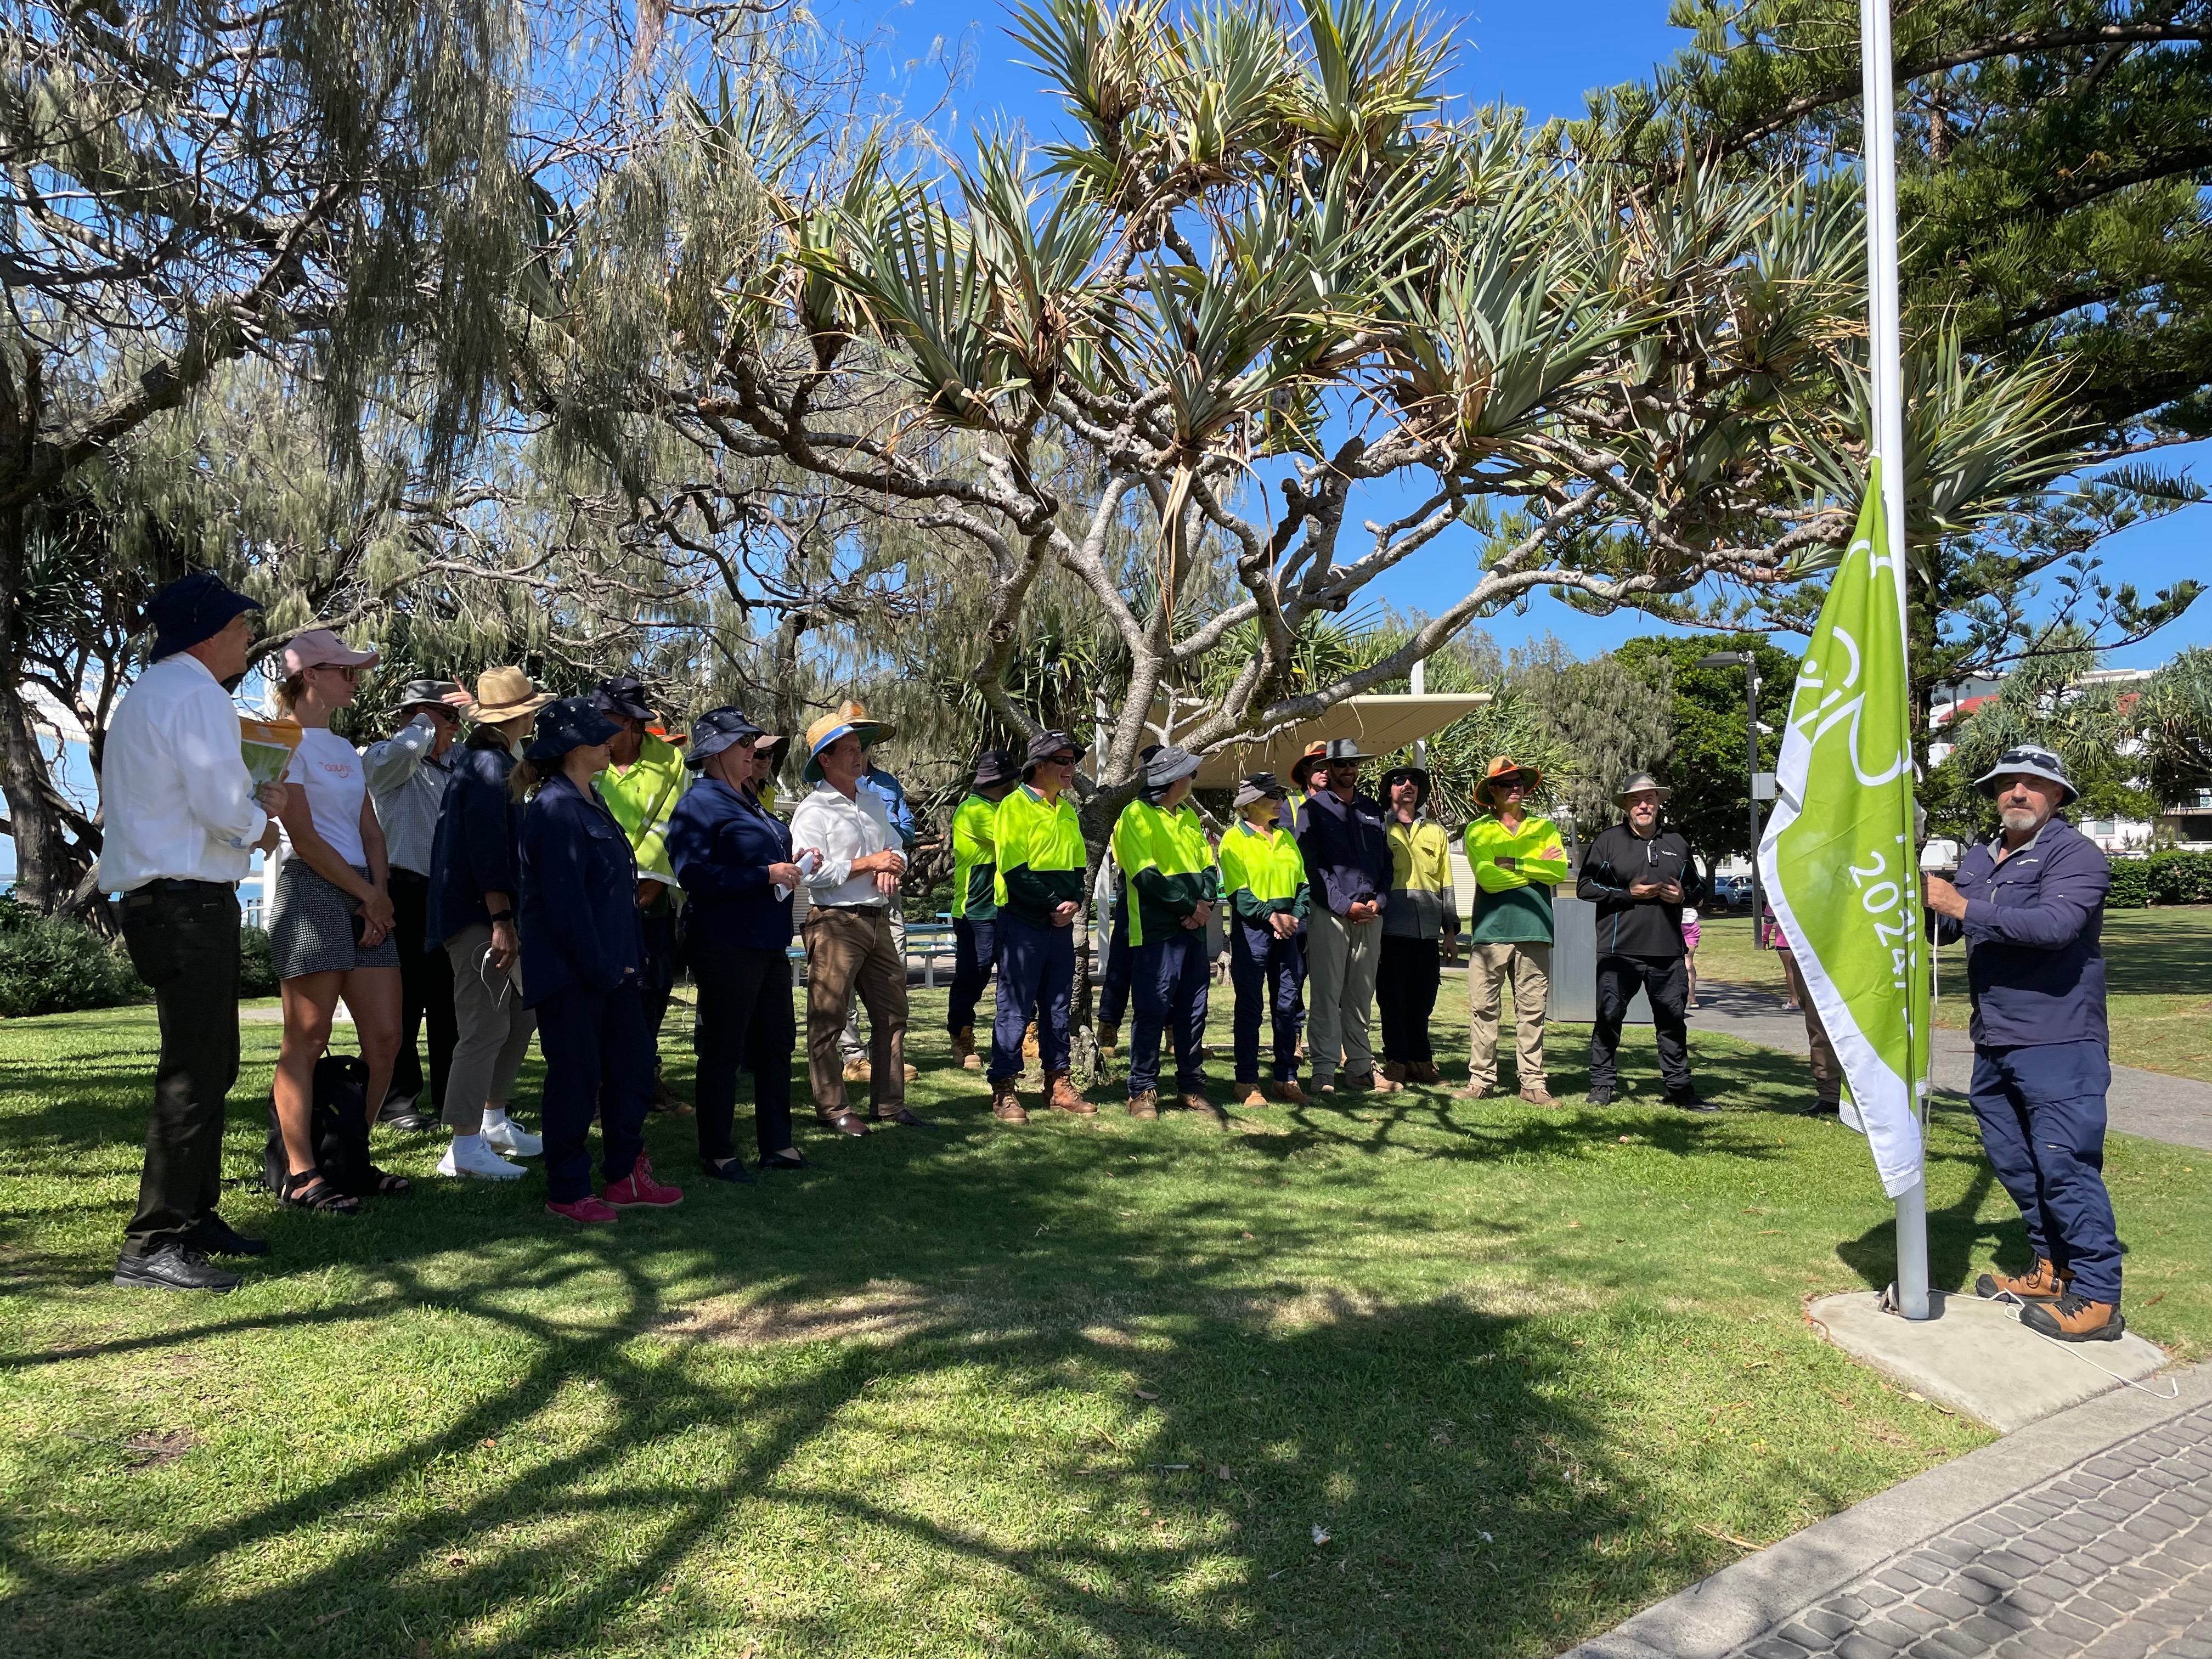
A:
x,y
1838,859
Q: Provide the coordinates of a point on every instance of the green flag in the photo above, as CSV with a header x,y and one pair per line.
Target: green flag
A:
x,y
1838,857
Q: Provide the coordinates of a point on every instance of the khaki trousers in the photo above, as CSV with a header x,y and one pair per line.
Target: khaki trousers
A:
x,y
1487,967
493,1030
850,950
1827,1070
1341,958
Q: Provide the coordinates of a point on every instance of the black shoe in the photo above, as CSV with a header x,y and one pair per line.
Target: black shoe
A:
x,y
1689,1102
1601,1096
905,1117
730,1169
1822,1108
172,1267
797,1161
212,1236
398,1113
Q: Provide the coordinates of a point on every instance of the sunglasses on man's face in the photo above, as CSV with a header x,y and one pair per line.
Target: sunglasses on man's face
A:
x,y
1063,760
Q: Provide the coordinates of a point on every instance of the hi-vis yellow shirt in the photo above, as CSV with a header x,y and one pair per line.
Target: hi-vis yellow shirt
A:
x,y
1515,906
1040,855
1169,865
1262,872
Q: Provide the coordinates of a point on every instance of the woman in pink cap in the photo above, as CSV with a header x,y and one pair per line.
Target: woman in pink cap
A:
x,y
330,922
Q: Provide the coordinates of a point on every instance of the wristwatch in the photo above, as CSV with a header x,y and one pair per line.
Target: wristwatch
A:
x,y
504,915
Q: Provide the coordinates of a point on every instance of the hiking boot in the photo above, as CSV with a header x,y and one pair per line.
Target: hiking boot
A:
x,y
1192,1101
1060,1095
1424,1071
1109,1035
963,1049
1030,1043
1356,1083
1475,1090
1006,1104
858,1071
1537,1095
1248,1094
1288,1094
639,1187
1393,1073
2042,1282
2072,1319
666,1099
1146,1106
1601,1096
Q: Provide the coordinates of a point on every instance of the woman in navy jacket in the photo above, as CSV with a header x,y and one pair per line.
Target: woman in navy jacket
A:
x,y
732,857
583,952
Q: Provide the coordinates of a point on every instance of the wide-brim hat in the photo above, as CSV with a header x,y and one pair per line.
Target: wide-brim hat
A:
x,y
1641,783
318,647
1502,767
716,730
1168,767
1336,751
567,723
996,766
191,609
622,694
428,694
1302,768
504,694
1045,745
1258,786
1419,774
857,713
2026,760
827,730
768,741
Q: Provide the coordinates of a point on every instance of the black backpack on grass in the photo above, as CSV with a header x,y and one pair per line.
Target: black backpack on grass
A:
x,y
338,1121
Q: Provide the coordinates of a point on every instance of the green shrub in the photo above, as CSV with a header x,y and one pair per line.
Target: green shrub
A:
x,y
49,966
256,972
2161,878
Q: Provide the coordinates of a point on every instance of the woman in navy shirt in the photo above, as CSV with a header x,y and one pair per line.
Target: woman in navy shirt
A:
x,y
583,954
732,857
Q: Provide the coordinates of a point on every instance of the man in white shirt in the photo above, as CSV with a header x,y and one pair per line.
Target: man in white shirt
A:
x,y
849,946
182,819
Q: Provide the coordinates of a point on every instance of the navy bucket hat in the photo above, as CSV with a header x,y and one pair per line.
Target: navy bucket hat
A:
x,y
571,723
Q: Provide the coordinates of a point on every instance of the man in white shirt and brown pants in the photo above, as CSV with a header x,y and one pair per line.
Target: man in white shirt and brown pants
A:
x,y
182,819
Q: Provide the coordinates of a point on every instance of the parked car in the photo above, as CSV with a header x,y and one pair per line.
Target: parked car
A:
x,y
1731,892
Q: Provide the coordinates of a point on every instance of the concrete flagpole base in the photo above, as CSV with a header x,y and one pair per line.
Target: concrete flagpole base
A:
x,y
1977,1357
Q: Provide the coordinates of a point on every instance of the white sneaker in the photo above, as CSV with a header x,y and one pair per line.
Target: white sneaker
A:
x,y
467,1155
505,1136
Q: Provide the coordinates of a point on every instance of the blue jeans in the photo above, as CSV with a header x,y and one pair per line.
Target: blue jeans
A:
x,y
2041,1112
1268,974
598,1061
974,951
1037,978
1168,983
1113,984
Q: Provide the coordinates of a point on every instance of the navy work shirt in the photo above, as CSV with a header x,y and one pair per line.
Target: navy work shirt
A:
x,y
579,915
1346,848
720,843
472,852
2034,966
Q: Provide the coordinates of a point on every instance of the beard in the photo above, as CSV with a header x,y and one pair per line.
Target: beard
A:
x,y
2021,820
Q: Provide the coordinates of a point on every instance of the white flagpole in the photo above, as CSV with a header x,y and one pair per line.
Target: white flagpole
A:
x,y
1885,356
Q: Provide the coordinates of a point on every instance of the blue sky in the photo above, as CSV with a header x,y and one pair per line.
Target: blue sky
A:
x,y
1542,57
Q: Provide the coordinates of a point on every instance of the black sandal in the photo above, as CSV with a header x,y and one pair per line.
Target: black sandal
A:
x,y
389,1186
308,1190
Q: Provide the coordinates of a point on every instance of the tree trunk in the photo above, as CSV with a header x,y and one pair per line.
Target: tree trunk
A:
x,y
42,880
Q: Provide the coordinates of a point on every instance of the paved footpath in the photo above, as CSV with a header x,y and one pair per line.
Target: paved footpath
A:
x,y
2152,1104
2089,1534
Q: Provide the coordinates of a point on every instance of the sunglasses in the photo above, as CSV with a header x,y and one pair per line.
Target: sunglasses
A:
x,y
1063,760
344,670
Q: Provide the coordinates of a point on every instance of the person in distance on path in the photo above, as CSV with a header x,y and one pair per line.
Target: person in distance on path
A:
x,y
183,818
2030,904
1640,876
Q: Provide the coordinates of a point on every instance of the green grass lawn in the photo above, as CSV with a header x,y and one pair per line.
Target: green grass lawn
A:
x,y
1399,1375
2158,976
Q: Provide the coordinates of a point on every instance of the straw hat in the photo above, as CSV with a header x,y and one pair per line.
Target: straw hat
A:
x,y
502,694
1502,767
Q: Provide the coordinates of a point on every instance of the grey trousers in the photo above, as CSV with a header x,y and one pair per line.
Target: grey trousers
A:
x,y
1341,958
495,1030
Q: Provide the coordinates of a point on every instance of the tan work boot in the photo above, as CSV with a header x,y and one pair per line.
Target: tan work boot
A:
x,y
963,1049
1146,1106
858,1071
1192,1101
1288,1093
1030,1041
1425,1072
2072,1319
1109,1037
1356,1083
1477,1089
1249,1094
2042,1282
1060,1095
1537,1095
1005,1105
1393,1073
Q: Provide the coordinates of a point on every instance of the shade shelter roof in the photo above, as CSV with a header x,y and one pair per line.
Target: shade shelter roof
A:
x,y
1381,723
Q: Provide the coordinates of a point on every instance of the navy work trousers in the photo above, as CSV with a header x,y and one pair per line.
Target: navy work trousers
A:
x,y
1267,975
1114,985
2042,1111
744,1019
1168,982
598,1061
974,951
1036,979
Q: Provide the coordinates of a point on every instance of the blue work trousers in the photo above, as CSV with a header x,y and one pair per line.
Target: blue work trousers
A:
x,y
1037,978
1113,986
2042,1111
598,1061
1267,975
1168,982
974,951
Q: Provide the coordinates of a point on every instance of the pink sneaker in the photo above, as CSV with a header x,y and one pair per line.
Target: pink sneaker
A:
x,y
587,1209
640,1187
